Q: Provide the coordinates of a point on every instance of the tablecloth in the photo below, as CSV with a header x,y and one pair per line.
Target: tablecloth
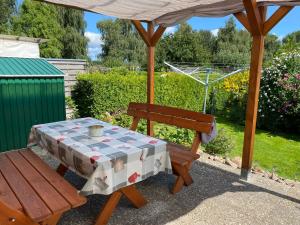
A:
x,y
116,159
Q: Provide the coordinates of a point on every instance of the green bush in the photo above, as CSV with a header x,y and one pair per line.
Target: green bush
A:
x,y
221,145
97,93
175,135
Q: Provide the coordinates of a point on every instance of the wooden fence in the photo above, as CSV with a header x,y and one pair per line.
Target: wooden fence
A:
x,y
71,68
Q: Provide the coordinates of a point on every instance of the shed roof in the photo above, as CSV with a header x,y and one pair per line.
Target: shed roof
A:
x,y
166,12
10,66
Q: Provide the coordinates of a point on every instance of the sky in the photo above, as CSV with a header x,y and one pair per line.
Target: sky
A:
x,y
288,25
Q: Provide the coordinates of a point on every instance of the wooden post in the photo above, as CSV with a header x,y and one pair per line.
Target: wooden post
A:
x,y
258,25
256,19
252,104
150,38
150,76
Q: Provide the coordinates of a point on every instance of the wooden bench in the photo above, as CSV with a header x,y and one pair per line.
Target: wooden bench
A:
x,y
31,193
181,156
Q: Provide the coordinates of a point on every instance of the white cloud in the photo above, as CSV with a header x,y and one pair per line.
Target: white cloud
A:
x,y
94,44
170,30
215,32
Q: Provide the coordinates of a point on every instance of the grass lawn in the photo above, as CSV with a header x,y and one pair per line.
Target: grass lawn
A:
x,y
280,152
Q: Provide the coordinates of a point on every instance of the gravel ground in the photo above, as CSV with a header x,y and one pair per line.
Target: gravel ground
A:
x,y
217,196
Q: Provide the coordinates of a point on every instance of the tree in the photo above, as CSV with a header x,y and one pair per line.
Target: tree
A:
x,y
233,46
272,44
121,44
73,40
186,45
8,8
37,20
292,38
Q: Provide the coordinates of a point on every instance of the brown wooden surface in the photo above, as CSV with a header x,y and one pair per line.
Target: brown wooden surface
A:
x,y
157,35
108,208
181,156
254,17
252,104
150,76
172,111
139,27
258,27
31,192
7,196
9,215
132,194
150,38
54,201
161,117
33,206
242,17
61,185
276,18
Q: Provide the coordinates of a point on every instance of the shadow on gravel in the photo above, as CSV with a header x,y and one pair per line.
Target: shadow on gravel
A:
x,y
163,207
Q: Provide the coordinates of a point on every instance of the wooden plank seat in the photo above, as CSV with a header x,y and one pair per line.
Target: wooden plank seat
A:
x,y
31,193
182,157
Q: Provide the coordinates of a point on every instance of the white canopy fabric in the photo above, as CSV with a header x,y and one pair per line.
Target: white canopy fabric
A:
x,y
165,12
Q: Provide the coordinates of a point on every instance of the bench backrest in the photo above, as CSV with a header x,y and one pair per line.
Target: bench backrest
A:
x,y
199,122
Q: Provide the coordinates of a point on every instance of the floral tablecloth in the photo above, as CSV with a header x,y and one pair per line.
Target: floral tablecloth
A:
x,y
116,159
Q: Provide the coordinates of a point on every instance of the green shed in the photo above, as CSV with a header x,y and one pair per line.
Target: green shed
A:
x,y
31,92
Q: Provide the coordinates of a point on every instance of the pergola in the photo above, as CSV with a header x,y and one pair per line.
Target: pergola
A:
x,y
164,13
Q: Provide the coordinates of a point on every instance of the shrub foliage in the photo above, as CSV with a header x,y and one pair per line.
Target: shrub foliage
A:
x,y
279,107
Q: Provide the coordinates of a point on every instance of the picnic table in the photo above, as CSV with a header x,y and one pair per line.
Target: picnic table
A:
x,y
111,163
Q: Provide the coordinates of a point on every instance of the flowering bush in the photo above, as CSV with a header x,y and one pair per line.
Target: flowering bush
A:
x,y
279,106
235,105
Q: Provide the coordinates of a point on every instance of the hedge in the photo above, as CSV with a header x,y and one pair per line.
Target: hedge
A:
x,y
95,94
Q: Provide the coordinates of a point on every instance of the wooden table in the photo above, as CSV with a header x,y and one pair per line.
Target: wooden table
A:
x,y
112,163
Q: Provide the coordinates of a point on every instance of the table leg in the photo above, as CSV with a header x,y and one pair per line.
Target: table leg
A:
x,y
108,208
133,195
61,170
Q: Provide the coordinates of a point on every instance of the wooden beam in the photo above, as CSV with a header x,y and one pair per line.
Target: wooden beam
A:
x,y
257,53
263,13
157,35
150,38
242,17
150,76
143,33
275,18
254,16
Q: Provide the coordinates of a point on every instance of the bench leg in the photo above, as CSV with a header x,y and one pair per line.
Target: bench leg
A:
x,y
184,178
61,170
133,195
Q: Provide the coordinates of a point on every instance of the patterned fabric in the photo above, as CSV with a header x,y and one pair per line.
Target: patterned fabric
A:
x,y
116,159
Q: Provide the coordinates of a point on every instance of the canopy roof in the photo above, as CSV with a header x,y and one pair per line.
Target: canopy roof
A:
x,y
165,12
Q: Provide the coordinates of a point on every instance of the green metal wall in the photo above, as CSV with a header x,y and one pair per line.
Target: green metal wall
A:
x,y
25,102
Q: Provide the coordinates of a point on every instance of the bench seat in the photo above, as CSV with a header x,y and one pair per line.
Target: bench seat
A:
x,y
31,192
